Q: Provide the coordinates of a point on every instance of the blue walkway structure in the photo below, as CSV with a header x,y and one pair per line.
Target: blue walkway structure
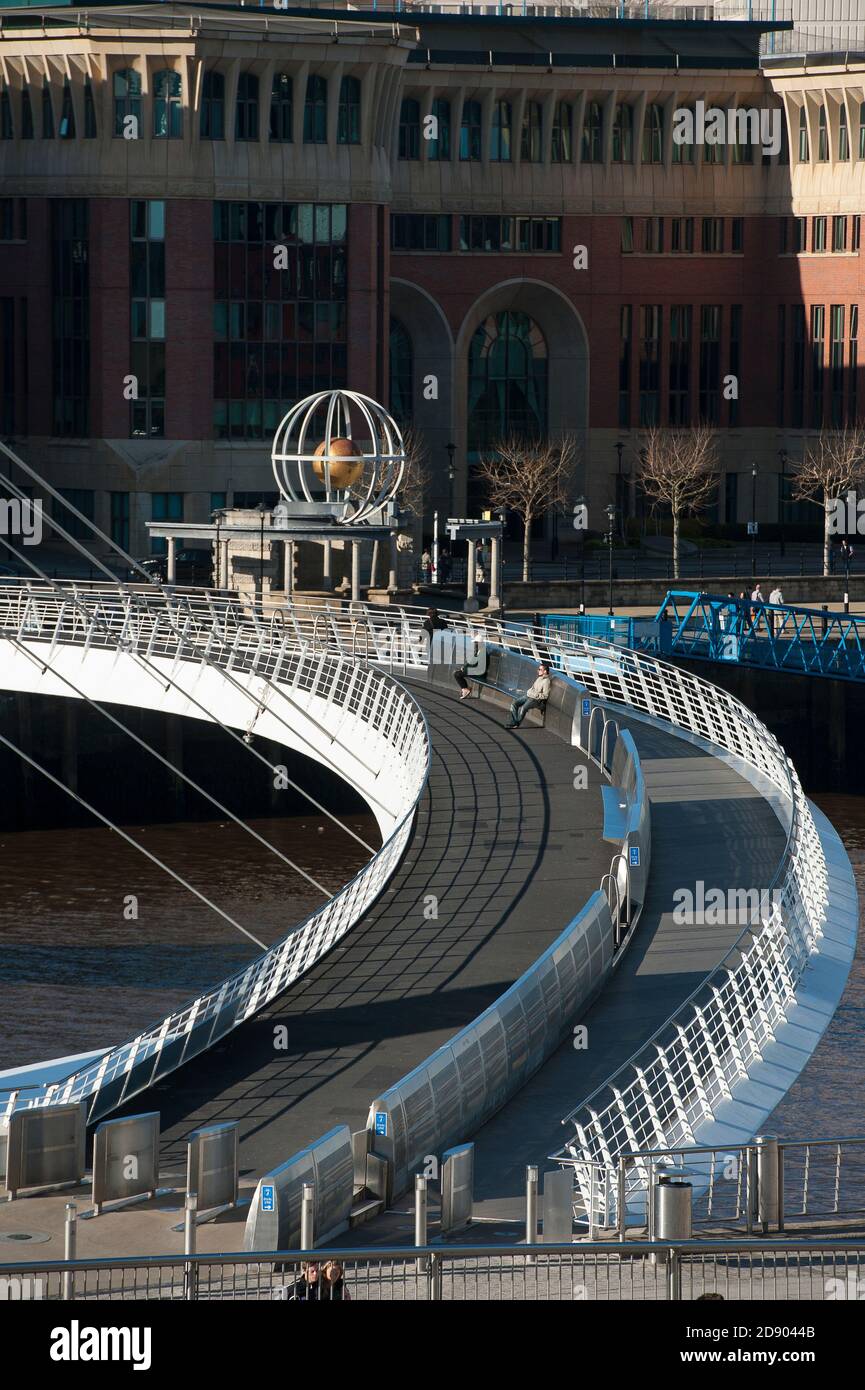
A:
x,y
781,637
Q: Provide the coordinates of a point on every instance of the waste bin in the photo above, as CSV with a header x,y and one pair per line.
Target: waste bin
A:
x,y
673,1209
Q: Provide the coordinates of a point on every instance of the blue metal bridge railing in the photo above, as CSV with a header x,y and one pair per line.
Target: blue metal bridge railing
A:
x,y
718,627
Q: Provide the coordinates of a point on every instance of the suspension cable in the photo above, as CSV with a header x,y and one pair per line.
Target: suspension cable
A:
x,y
129,839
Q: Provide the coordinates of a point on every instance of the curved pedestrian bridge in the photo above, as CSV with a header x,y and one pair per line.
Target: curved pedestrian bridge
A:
x,y
494,849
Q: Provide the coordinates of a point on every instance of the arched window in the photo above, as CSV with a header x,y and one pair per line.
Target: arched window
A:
x,y
653,134
409,129
26,115
401,372
213,106
315,111
470,131
532,143
47,112
167,105
843,134
6,132
500,135
127,102
439,146
804,154
592,130
563,122
623,134
67,113
507,381
822,137
89,112
683,150
348,119
281,109
246,107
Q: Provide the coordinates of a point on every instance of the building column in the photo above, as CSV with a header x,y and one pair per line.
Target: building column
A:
x,y
355,571
287,568
327,567
471,603
495,552
392,581
172,559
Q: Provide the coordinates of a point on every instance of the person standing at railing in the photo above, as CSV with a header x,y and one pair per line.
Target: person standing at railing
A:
x,y
777,598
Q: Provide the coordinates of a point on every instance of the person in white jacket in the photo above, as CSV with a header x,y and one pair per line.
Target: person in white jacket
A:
x,y
535,697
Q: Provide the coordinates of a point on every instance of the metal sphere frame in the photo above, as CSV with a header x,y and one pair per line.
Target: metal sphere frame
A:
x,y
292,447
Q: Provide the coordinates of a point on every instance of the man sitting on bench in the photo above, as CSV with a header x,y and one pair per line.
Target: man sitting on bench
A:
x,y
535,697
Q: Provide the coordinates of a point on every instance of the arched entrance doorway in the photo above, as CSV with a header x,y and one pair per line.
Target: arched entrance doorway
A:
x,y
507,389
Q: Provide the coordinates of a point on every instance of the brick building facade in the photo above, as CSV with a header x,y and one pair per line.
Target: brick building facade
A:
x,y
485,221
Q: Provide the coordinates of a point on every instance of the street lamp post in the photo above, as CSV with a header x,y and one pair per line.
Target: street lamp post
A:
x,y
451,448
611,517
782,454
753,521
620,493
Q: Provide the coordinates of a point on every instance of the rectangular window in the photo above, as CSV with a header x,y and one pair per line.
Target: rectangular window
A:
x,y
70,283
627,235
801,229
500,133
279,311
7,365
737,243
713,235
735,363
818,241
165,506
836,364
650,363
781,365
625,331
505,234
710,363
562,144
420,231
839,233
13,219
680,364
818,335
120,519
83,499
653,236
853,365
798,382
783,227
147,317
683,235
856,234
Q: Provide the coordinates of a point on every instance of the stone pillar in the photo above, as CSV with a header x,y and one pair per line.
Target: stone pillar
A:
x,y
172,559
327,567
287,567
355,571
471,603
495,565
392,581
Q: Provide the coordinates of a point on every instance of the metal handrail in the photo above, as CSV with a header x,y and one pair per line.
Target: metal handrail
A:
x,y
249,989
635,680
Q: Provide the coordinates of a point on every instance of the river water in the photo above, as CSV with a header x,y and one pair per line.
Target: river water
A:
x,y
77,974
83,966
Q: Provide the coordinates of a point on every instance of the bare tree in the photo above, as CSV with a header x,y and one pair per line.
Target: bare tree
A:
x,y
529,477
831,467
678,469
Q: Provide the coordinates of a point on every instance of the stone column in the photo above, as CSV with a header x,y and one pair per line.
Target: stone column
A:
x,y
471,603
172,559
355,571
392,581
495,596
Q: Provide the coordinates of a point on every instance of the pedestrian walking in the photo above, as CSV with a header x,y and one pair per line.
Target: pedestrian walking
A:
x,y
776,598
535,697
426,567
756,598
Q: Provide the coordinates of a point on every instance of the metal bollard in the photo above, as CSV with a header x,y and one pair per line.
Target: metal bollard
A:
x,y
190,1230
768,1210
420,1219
307,1217
531,1208
70,1242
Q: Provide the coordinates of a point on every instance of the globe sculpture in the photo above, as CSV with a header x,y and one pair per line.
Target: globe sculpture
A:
x,y
344,443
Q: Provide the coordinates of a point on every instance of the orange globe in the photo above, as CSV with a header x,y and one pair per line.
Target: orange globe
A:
x,y
345,466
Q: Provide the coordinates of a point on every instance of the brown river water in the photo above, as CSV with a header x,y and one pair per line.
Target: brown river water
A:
x,y
75,974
